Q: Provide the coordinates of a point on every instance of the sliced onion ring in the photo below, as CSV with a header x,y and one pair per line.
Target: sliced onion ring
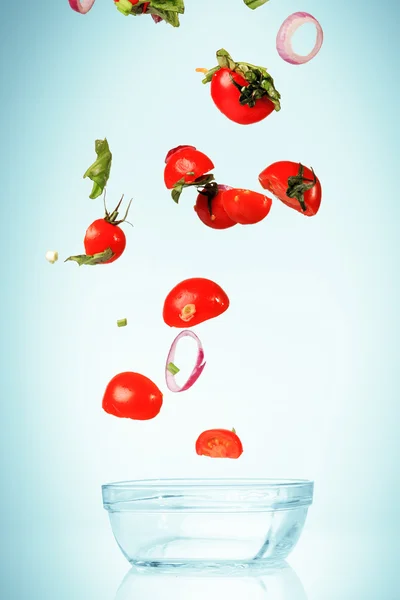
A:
x,y
198,368
286,32
81,6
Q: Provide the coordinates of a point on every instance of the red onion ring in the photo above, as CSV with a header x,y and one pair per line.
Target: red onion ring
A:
x,y
198,368
81,6
286,32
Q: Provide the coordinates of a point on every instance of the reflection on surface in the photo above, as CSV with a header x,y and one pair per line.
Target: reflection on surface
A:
x,y
279,582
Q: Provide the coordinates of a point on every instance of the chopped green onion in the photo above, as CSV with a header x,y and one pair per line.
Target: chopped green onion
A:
x,y
122,322
172,368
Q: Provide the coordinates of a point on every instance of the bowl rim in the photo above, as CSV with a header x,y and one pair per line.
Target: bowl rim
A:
x,y
218,495
208,483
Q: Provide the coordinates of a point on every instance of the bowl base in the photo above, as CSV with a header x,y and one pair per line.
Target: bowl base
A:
x,y
221,567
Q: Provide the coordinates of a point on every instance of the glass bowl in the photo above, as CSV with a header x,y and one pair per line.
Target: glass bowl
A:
x,y
207,523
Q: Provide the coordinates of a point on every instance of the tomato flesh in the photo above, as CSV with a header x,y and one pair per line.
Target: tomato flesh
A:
x,y
194,301
218,219
275,179
219,443
101,235
132,396
226,98
246,207
186,163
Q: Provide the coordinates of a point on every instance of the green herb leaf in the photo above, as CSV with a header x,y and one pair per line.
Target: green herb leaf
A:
x,y
253,4
172,368
99,171
168,10
181,185
92,259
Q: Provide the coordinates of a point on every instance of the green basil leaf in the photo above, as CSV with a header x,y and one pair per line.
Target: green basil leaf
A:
x,y
99,171
253,4
92,259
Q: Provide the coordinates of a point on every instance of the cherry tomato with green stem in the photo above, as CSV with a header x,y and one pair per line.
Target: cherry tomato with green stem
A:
x,y
295,185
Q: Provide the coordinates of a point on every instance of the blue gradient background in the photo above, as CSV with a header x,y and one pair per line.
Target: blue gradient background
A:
x,y
304,362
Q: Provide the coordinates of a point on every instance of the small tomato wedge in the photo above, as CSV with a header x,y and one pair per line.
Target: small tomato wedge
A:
x,y
244,206
186,166
132,396
244,93
209,207
194,301
295,185
219,443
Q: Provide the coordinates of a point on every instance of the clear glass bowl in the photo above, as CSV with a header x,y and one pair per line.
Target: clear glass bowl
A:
x,y
207,523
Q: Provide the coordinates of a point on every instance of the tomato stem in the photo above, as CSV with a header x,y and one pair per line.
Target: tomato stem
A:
x,y
297,186
210,190
112,218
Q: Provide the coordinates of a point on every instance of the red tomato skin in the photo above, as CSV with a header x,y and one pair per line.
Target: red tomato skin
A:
x,y
132,396
231,446
221,219
101,235
246,207
275,179
204,299
183,161
226,98
175,150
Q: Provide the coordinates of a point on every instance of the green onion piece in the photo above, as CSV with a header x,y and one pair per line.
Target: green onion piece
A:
x,y
122,322
172,368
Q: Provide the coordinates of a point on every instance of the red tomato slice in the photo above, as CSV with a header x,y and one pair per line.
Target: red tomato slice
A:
x,y
101,235
226,98
276,179
244,206
185,163
211,212
219,443
194,301
132,396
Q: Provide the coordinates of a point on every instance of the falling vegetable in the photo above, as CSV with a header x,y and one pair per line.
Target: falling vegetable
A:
x,y
99,171
122,322
244,93
171,370
81,6
186,166
219,443
104,241
209,207
295,185
285,35
160,10
194,301
253,4
244,206
132,396
51,256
